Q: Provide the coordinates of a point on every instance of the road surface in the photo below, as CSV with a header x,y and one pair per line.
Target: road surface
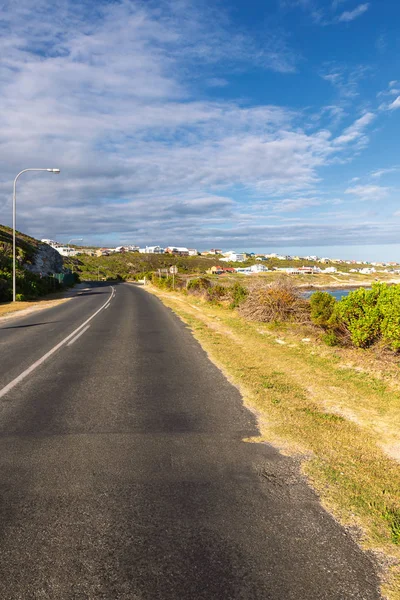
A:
x,y
124,474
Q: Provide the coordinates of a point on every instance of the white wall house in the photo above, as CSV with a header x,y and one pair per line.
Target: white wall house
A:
x,y
258,268
51,243
151,250
244,271
66,250
367,271
234,257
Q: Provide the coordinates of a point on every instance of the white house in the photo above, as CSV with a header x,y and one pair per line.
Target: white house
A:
x,y
367,271
244,270
288,270
177,250
234,257
66,250
152,250
192,252
51,243
258,268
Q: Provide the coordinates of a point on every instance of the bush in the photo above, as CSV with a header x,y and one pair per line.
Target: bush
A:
x,y
216,293
389,308
238,294
280,301
322,309
361,316
5,286
199,284
19,297
164,283
331,338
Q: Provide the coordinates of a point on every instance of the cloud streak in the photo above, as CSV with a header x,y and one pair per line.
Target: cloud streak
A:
x,y
368,192
350,15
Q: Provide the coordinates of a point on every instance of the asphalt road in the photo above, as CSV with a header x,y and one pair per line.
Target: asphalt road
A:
x,y
124,474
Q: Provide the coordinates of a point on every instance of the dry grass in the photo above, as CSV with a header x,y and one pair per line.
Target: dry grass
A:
x,y
10,308
317,401
317,281
279,301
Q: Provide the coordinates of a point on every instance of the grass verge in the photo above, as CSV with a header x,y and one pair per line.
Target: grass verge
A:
x,y
312,400
9,308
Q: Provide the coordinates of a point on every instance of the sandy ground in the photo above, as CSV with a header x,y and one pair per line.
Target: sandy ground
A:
x,y
12,310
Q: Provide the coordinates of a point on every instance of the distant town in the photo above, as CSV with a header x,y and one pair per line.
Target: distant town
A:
x,y
233,257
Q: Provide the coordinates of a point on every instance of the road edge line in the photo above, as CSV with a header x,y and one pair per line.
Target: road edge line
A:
x,y
41,360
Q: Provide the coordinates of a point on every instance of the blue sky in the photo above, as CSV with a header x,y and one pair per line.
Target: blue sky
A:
x,y
267,125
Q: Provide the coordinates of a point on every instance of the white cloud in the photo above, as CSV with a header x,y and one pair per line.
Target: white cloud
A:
x,y
395,104
345,80
381,172
110,98
348,16
295,204
356,131
368,192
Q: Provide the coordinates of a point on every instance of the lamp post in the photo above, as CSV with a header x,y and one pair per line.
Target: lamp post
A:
x,y
73,240
14,218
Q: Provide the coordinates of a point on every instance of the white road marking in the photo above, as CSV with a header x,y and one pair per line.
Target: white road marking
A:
x,y
108,306
41,360
80,333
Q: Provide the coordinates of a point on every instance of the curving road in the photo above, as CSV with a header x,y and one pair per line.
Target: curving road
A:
x,y
123,474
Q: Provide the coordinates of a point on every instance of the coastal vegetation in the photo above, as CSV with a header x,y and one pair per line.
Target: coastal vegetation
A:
x,y
29,285
364,317
336,408
131,266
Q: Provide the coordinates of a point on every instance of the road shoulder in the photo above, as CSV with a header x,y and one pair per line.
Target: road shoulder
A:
x,y
356,480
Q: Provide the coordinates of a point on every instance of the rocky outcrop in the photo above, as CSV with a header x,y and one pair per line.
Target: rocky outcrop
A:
x,y
47,261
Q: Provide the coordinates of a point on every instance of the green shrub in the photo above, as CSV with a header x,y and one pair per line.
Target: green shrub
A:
x,y
322,309
164,283
331,338
238,294
360,315
19,297
5,286
216,293
389,308
199,284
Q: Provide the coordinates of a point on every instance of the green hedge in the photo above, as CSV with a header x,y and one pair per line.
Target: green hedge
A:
x,y
368,316
29,285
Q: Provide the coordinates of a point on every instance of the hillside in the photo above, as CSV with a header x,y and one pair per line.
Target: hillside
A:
x,y
132,265
36,265
26,247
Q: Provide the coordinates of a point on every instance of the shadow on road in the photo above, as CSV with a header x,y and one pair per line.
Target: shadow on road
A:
x,y
31,325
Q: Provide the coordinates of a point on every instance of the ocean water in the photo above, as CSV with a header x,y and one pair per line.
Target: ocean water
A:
x,y
338,294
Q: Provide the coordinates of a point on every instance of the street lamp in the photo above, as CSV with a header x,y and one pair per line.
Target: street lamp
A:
x,y
73,240
14,218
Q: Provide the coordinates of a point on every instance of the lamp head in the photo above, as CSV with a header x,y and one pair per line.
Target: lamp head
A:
x,y
54,170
